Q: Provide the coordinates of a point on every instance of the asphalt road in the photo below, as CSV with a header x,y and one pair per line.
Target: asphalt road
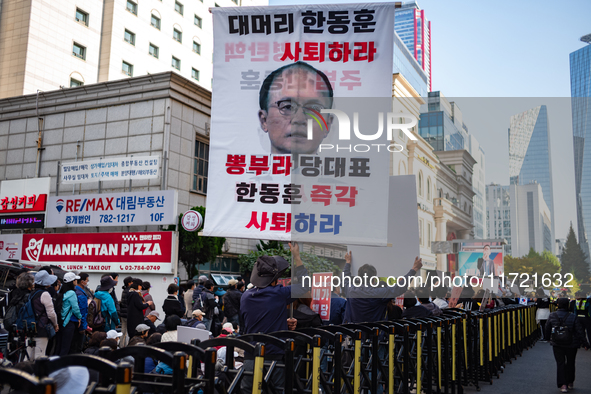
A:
x,y
535,372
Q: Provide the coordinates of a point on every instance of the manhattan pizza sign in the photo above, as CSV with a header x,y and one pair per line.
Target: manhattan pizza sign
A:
x,y
102,252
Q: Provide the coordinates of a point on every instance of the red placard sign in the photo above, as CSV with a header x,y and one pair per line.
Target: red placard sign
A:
x,y
321,292
102,252
32,203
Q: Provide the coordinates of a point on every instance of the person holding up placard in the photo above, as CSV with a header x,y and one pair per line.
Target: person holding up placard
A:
x,y
263,308
368,303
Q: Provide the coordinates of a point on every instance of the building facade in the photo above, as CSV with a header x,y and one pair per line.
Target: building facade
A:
x,y
580,82
415,32
531,220
498,213
530,158
520,215
162,115
444,182
47,45
479,187
442,125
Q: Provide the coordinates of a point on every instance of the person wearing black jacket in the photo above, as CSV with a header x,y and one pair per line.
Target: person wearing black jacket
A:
x,y
232,303
135,306
123,310
565,354
197,292
172,306
412,310
209,304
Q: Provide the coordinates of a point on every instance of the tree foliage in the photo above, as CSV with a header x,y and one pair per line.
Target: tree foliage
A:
x,y
195,249
573,258
312,262
532,263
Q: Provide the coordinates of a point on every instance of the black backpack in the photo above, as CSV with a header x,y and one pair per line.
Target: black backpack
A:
x,y
11,315
562,334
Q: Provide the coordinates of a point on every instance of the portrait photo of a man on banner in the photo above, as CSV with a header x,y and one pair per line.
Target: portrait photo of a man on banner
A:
x,y
289,96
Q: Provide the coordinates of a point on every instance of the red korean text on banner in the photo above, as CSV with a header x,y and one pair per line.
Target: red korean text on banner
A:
x,y
321,292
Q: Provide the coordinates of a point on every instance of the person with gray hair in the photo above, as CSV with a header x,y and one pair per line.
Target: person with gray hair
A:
x,y
197,292
25,282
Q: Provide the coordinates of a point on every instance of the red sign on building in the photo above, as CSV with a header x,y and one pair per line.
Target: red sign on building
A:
x,y
102,252
31,203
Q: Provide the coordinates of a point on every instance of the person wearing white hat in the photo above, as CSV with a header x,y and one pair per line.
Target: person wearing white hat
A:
x,y
70,313
45,312
113,334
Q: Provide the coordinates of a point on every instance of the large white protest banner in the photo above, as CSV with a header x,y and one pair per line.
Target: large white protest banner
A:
x,y
294,152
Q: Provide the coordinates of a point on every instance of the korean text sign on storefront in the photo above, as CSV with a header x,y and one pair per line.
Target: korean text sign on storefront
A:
x,y
117,209
102,252
286,82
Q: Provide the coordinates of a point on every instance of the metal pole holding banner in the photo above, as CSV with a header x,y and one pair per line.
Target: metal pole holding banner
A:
x,y
163,185
57,179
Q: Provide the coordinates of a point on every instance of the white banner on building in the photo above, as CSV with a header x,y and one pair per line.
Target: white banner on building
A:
x,y
275,169
116,209
110,169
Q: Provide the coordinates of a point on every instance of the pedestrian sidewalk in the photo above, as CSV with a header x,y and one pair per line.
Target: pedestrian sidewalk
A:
x,y
535,372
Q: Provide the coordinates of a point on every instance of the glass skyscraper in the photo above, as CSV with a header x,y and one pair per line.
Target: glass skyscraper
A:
x,y
529,154
580,88
415,31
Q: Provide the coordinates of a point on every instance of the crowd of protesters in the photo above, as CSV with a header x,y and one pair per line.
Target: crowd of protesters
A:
x,y
71,318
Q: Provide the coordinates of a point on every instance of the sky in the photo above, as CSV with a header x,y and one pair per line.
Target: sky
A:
x,y
484,52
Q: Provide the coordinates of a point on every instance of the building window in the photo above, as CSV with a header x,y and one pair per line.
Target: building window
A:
x,y
74,83
153,50
178,7
201,164
79,51
129,37
420,184
155,22
197,48
428,235
421,232
198,21
195,74
428,189
176,63
177,35
81,16
132,7
127,69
